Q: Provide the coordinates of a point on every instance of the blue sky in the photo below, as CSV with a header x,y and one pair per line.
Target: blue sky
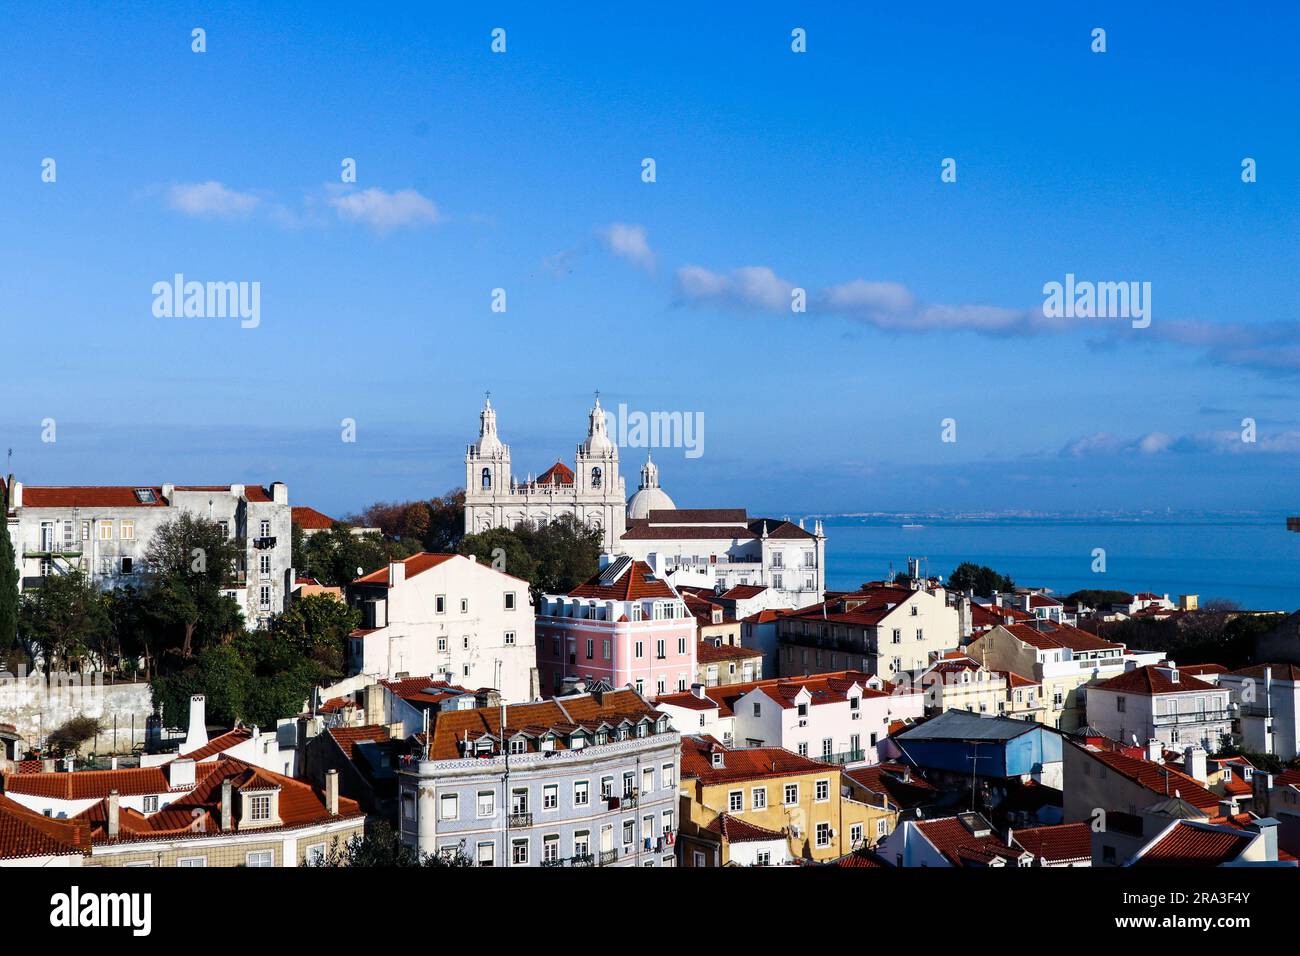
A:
x,y
522,171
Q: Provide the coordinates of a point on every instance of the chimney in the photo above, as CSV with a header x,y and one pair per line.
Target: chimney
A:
x,y
227,805
114,814
1267,828
698,690
168,492
15,493
180,773
279,492
197,734
1194,764
1154,750
1260,785
473,559
396,573
1227,808
332,791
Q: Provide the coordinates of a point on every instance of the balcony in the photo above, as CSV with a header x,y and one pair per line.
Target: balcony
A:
x,y
844,757
1200,717
519,820
47,549
263,544
607,857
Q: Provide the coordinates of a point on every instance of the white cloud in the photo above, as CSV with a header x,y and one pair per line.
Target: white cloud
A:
x,y
210,199
751,287
628,241
384,211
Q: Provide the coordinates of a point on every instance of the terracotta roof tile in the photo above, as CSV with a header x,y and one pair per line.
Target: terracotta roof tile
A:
x,y
25,833
1152,679
750,763
1065,842
735,830
1190,843
415,564
310,519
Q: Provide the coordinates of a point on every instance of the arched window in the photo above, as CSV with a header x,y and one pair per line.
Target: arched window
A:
x,y
487,479
595,477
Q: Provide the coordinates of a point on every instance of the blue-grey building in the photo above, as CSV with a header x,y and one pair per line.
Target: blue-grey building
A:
x,y
583,780
960,743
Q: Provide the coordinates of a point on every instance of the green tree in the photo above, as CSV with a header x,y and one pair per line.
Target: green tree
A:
x,y
218,672
553,559
502,549
317,628
979,578
381,846
189,561
333,556
1095,597
63,621
8,587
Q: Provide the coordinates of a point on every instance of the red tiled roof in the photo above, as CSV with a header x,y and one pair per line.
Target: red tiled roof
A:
x,y
559,473
823,688
89,784
118,496
198,812
766,616
709,653
1158,778
415,564
735,830
424,690
1289,672
864,858
697,516
637,581
1060,635
950,837
1065,842
220,744
1199,669
1152,679
1191,843
887,779
750,763
349,737
741,592
310,519
25,833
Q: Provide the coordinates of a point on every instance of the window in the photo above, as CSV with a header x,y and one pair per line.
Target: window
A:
x,y
518,745
828,748
519,852
464,605
855,834
440,604
265,528
581,842
736,801
485,479
581,793
629,828
803,749
448,806
758,798
315,854
442,643
550,796
128,565
487,803
920,634
763,858
605,647
510,606
823,834
666,776
595,477
193,861
264,565
551,847
629,783
823,791
681,645
264,596
791,794
261,807
1119,703
640,686
260,858
128,530
105,531
639,649
591,648
487,854
151,804
666,822
660,649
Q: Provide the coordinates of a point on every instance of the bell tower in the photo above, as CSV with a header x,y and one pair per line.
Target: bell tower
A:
x,y
487,468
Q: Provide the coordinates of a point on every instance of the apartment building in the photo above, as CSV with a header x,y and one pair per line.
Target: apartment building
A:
x,y
626,626
1160,702
580,780
449,617
738,806
104,531
882,629
1267,697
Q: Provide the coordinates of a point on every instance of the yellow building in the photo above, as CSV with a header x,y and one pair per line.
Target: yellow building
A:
x,y
765,806
1058,657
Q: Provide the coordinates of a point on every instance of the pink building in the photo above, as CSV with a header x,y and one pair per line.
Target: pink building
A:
x,y
626,626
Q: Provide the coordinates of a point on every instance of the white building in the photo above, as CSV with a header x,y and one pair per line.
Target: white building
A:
x,y
105,531
1158,702
724,548
592,491
1268,699
883,629
446,616
834,718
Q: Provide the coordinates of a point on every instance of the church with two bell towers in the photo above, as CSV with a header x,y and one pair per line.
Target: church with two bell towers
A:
x,y
592,491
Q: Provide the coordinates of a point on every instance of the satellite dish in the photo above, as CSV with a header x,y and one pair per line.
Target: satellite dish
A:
x,y
360,572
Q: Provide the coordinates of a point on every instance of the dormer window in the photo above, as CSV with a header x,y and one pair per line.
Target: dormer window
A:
x,y
548,742
717,758
518,745
577,742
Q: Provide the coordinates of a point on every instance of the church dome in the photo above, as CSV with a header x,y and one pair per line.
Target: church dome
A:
x,y
649,497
